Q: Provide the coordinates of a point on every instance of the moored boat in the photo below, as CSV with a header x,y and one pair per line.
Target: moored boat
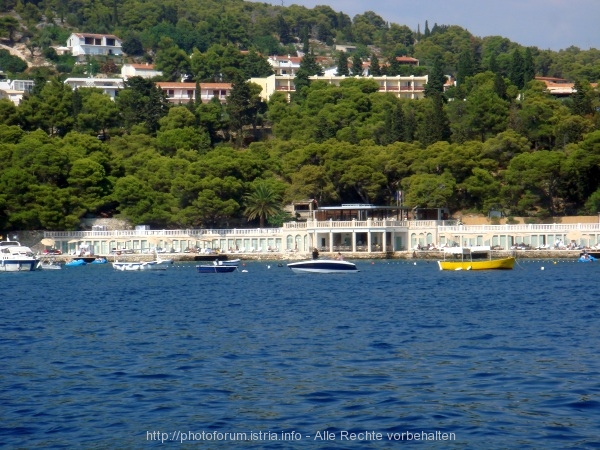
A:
x,y
49,264
216,267
230,262
15,257
586,257
323,266
157,264
75,263
99,260
140,265
473,258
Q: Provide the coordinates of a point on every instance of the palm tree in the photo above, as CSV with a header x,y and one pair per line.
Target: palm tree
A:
x,y
263,203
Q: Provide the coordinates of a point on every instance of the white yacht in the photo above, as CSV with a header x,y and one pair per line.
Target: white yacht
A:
x,y
15,257
323,266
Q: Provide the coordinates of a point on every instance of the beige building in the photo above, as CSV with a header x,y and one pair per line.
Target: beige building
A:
x,y
139,70
180,93
410,87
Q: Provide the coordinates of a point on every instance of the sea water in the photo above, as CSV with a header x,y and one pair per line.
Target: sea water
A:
x,y
399,353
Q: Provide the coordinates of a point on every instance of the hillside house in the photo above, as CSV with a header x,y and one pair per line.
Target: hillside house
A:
x,y
181,93
139,70
14,90
86,44
110,86
285,65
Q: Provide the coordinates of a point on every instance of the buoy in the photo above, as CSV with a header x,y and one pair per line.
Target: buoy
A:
x,y
542,268
414,264
244,271
268,267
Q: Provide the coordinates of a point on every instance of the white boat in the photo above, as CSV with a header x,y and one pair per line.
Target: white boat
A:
x,y
230,262
323,266
127,266
48,264
141,265
15,257
157,264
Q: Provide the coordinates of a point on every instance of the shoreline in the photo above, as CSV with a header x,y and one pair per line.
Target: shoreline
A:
x,y
279,256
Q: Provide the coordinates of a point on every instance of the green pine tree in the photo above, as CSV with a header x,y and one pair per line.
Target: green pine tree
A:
x,y
342,66
375,68
517,70
356,65
435,84
528,67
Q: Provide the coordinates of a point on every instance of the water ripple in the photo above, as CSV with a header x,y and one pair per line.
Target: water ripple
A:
x,y
495,357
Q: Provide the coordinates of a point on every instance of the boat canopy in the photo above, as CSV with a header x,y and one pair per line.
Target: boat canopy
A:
x,y
467,250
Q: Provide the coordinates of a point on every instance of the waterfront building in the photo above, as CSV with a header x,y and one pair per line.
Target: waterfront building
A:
x,y
355,228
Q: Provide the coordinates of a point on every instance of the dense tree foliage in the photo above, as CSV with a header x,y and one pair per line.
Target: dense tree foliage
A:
x,y
495,140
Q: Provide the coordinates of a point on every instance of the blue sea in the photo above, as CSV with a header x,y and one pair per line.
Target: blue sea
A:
x,y
398,354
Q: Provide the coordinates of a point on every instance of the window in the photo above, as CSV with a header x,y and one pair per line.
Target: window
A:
x,y
170,93
190,93
110,41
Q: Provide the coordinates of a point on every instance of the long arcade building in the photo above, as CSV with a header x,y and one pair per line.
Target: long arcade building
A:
x,y
347,228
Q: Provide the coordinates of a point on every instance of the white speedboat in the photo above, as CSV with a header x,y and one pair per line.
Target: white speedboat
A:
x,y
15,257
157,264
48,264
230,262
323,266
140,265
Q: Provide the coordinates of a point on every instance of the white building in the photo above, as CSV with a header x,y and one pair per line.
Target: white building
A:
x,y
356,228
85,44
110,86
139,70
285,65
14,90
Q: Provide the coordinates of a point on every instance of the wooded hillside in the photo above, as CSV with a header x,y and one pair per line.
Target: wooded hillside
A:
x,y
496,140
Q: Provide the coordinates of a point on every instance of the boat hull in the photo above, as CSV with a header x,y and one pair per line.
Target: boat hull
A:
x,y
493,264
140,266
586,259
76,263
127,267
215,269
18,265
49,265
323,266
99,261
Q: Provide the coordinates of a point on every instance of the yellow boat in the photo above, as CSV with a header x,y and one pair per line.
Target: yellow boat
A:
x,y
473,258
